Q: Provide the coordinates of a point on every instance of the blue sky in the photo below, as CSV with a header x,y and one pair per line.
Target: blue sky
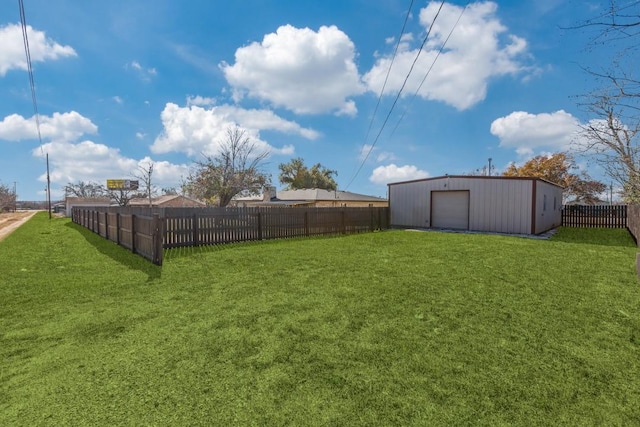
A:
x,y
121,83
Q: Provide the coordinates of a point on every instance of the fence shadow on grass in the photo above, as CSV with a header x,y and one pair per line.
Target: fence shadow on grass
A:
x,y
185,251
595,236
118,253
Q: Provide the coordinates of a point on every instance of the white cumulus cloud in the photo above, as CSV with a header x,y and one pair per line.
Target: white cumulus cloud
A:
x,y
41,48
392,173
90,161
145,74
475,53
368,151
305,71
66,126
526,132
201,101
195,130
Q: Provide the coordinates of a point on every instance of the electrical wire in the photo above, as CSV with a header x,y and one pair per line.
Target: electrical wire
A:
x,y
25,39
430,68
386,78
395,101
27,51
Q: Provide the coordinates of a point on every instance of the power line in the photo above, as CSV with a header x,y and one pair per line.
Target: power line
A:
x,y
430,68
395,101
384,85
25,39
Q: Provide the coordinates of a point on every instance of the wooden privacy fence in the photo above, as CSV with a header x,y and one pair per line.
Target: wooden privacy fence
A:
x,y
633,224
147,231
140,234
612,216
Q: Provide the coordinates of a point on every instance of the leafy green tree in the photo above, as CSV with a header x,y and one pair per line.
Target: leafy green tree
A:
x,y
235,169
296,175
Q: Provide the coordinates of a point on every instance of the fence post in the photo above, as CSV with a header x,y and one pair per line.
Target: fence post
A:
x,y
133,233
306,223
195,232
259,225
343,220
371,226
158,246
106,225
118,228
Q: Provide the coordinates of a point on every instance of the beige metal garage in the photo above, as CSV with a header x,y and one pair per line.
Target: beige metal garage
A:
x,y
479,203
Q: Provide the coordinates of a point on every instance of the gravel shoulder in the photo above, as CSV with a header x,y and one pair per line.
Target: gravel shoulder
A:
x,y
10,221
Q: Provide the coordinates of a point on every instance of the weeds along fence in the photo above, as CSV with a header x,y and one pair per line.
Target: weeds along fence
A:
x,y
147,231
612,216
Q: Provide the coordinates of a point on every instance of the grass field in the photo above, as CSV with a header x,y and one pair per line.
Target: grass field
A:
x,y
389,328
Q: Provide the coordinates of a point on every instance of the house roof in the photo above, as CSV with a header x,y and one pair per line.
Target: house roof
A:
x,y
160,200
525,178
319,194
87,200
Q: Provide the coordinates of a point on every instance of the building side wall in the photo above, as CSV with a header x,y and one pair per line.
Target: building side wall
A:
x,y
349,204
498,205
548,208
74,204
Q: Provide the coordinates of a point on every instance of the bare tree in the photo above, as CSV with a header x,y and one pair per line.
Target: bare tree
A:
x,y
84,189
235,169
612,135
121,196
145,174
620,21
7,198
613,140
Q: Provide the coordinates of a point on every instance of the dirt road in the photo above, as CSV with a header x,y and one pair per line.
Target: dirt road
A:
x,y
9,221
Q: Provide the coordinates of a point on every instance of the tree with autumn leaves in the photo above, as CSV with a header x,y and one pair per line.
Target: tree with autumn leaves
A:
x,y
559,168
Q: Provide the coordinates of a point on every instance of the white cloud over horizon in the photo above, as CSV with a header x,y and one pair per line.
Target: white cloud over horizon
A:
x,y
41,48
392,173
94,162
66,126
475,53
528,133
195,130
305,71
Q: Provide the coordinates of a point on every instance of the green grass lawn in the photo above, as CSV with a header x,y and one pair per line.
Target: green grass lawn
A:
x,y
382,329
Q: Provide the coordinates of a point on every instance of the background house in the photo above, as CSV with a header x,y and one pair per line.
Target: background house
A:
x,y
494,204
311,197
168,201
72,202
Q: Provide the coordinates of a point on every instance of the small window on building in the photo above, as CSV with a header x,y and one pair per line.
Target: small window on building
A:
x,y
544,202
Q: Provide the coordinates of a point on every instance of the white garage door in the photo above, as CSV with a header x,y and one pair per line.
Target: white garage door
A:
x,y
450,209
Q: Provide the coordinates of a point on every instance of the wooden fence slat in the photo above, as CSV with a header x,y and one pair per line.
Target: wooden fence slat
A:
x,y
147,231
613,216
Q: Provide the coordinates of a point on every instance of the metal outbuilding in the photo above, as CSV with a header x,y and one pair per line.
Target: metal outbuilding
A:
x,y
479,203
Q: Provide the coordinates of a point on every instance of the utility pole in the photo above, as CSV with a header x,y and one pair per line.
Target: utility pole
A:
x,y
15,198
48,188
611,193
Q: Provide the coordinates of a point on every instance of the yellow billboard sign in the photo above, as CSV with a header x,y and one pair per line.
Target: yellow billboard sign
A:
x,y
122,184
